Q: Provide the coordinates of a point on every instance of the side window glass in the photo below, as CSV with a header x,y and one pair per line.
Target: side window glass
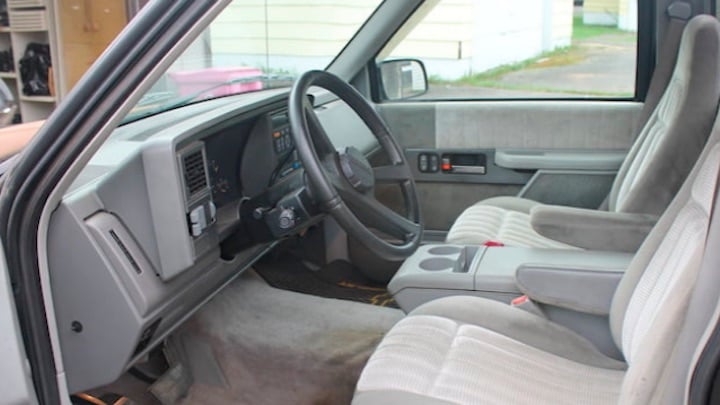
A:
x,y
483,49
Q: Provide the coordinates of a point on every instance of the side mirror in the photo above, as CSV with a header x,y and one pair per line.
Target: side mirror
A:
x,y
403,78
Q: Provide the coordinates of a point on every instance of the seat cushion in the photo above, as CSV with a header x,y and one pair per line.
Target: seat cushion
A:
x,y
500,219
431,358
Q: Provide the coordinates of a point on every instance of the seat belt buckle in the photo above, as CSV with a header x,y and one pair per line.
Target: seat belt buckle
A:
x,y
519,300
526,304
493,243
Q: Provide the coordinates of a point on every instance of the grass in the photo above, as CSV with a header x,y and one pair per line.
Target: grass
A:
x,y
582,32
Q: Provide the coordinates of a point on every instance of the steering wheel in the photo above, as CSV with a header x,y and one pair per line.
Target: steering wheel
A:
x,y
342,183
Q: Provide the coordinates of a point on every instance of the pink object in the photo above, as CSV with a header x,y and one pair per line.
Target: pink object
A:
x,y
195,81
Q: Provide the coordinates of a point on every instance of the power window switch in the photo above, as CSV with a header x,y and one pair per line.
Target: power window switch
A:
x,y
423,163
433,163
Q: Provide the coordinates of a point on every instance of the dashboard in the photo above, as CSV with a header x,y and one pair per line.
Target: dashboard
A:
x,y
170,210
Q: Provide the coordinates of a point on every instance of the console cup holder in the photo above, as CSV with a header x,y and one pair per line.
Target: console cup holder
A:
x,y
437,264
445,250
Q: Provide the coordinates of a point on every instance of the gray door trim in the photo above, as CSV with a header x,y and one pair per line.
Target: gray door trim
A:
x,y
16,382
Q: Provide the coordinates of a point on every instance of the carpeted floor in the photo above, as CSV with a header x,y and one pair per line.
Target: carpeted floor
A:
x,y
338,280
273,346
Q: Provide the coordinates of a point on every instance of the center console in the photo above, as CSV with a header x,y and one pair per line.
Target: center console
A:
x,y
436,271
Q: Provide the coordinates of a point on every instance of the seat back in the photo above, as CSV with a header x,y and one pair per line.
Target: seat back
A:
x,y
674,135
651,301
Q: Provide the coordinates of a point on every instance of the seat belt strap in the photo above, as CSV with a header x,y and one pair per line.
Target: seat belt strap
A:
x,y
679,12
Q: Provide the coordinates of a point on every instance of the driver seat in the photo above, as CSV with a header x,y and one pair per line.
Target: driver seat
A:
x,y
461,350
653,171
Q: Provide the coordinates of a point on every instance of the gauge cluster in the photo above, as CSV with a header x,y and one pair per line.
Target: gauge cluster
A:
x,y
247,157
224,151
269,155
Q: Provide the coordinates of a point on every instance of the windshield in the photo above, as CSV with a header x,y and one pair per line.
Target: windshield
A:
x,y
254,46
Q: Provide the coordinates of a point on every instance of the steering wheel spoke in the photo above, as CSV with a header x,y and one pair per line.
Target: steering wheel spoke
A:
x,y
336,178
392,173
376,215
329,164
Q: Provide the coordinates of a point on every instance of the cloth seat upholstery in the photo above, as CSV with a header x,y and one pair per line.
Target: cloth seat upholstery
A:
x,y
463,350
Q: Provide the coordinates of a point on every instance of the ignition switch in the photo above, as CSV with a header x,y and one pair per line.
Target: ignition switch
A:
x,y
286,219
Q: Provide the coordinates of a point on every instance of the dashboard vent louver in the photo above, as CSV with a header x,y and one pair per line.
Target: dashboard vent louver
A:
x,y
194,172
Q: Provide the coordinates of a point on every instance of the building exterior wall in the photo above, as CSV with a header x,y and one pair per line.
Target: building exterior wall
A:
x,y
616,13
460,37
562,23
601,12
627,19
456,37
242,36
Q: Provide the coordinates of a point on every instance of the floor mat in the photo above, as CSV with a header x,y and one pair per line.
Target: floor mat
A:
x,y
279,347
337,279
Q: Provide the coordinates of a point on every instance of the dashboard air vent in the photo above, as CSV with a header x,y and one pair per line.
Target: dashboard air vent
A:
x,y
194,172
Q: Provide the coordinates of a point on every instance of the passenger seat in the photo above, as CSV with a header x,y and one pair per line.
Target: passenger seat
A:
x,y
651,174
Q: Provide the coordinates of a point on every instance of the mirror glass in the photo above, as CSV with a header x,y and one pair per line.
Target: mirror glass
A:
x,y
403,78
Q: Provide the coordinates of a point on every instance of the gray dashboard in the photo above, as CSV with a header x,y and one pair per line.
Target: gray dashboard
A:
x,y
134,245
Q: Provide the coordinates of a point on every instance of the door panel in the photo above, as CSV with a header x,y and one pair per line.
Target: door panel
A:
x,y
536,124
514,124
582,189
577,144
16,385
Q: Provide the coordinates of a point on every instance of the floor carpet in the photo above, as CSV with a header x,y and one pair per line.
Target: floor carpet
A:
x,y
274,346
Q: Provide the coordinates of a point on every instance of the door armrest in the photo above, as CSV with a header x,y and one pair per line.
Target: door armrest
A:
x,y
539,159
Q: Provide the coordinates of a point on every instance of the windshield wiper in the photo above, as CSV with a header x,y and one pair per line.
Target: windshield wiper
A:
x,y
269,81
